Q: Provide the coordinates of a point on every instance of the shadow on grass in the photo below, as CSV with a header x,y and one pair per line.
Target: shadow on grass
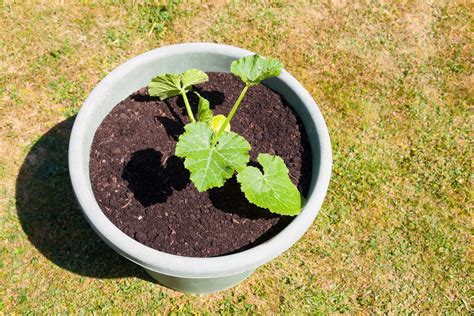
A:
x,y
51,218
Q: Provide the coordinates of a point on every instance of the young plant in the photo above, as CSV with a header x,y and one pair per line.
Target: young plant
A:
x,y
213,153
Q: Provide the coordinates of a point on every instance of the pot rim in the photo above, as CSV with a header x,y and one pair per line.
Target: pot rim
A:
x,y
193,267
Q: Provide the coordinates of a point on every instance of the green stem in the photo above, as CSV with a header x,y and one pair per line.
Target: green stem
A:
x,y
231,114
188,107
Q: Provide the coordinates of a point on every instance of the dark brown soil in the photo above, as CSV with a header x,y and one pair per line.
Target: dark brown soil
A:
x,y
146,192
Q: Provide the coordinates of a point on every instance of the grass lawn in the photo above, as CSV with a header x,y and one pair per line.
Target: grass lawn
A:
x,y
394,82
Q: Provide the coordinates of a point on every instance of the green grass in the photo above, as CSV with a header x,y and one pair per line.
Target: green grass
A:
x,y
394,83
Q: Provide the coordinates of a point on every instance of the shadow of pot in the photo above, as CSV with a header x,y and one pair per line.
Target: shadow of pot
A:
x,y
50,216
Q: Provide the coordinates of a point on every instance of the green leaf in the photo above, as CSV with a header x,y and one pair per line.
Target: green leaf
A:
x,y
273,189
168,85
217,121
204,112
165,86
253,69
211,166
193,76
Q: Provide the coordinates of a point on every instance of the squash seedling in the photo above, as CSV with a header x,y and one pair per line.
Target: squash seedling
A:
x,y
213,153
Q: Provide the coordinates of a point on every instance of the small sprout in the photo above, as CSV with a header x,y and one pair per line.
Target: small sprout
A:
x,y
205,115
213,154
204,111
217,121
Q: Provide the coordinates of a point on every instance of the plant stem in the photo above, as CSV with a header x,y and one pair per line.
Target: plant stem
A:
x,y
188,107
231,114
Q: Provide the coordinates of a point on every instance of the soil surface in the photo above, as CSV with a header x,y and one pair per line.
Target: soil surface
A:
x,y
146,192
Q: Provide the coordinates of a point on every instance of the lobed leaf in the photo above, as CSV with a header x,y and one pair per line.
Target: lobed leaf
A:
x,y
168,85
165,86
211,165
193,76
253,69
273,189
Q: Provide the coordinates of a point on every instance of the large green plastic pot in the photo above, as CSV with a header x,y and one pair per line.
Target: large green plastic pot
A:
x,y
188,274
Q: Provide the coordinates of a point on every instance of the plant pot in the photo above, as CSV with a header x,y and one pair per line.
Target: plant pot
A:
x,y
189,274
